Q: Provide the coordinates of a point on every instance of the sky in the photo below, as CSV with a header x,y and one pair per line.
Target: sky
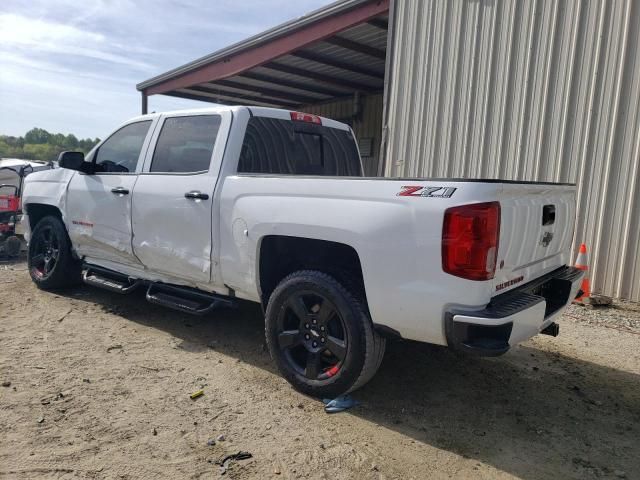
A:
x,y
71,66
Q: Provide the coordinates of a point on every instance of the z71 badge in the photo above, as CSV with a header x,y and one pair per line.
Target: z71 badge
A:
x,y
420,191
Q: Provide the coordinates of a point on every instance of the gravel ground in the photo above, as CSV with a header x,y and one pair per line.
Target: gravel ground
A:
x,y
621,315
97,385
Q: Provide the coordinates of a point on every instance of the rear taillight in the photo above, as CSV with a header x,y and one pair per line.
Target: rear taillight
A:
x,y
470,240
305,117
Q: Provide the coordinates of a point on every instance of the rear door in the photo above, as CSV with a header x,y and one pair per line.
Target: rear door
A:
x,y
536,231
98,206
172,206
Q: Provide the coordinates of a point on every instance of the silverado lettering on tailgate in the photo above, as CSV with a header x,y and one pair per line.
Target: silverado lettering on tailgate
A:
x,y
513,281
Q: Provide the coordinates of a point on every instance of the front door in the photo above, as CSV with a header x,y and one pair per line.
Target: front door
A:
x,y
99,204
172,201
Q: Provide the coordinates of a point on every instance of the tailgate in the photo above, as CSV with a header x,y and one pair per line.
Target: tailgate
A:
x,y
536,232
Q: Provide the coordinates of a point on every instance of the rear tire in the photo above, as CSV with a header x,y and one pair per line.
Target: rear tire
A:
x,y
321,336
50,261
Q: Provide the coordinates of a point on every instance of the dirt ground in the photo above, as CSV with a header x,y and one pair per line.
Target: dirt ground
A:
x,y
100,383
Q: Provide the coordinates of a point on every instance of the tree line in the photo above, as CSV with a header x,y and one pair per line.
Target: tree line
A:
x,y
38,144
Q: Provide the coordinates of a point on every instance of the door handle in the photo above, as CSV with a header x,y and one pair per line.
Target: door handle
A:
x,y
120,191
195,195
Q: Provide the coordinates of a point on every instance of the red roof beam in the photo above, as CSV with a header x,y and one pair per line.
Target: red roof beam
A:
x,y
256,56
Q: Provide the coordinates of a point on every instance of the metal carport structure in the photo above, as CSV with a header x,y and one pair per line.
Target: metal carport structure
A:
x,y
331,58
328,54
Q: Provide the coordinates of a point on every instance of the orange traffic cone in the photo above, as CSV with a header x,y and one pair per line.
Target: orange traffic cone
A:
x,y
582,262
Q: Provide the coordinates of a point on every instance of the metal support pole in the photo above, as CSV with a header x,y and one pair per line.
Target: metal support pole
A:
x,y
145,103
383,168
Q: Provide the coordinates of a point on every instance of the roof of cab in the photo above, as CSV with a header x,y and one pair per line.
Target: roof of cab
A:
x,y
256,110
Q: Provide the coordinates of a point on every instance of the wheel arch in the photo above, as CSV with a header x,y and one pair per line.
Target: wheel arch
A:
x,y
37,211
281,255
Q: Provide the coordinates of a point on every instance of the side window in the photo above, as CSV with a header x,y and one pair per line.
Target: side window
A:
x,y
186,144
120,152
286,147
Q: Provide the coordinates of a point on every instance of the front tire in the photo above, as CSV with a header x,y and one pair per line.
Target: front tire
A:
x,y
320,335
50,261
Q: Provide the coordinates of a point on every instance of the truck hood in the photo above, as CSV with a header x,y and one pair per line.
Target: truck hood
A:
x,y
54,175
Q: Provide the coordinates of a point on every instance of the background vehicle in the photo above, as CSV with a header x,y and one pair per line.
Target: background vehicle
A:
x,y
12,174
203,207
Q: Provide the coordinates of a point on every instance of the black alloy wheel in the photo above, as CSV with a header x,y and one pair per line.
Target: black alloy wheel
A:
x,y
50,261
320,334
312,335
45,252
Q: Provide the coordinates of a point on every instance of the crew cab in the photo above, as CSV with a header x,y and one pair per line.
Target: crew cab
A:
x,y
204,207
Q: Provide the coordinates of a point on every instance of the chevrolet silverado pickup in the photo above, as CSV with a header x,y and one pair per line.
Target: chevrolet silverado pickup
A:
x,y
202,208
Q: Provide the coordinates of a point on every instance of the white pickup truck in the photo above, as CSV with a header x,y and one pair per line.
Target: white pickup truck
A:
x,y
204,207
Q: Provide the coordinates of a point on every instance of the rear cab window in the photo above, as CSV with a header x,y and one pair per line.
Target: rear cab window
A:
x,y
288,147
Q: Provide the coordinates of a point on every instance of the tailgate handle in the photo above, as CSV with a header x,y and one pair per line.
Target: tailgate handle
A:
x,y
548,214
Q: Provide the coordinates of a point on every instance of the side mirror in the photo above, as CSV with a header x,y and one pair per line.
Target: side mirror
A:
x,y
71,160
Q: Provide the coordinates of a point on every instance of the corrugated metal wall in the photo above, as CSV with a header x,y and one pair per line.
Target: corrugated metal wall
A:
x,y
366,124
527,90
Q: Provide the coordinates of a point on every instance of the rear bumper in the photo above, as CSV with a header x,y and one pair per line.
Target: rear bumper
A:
x,y
513,316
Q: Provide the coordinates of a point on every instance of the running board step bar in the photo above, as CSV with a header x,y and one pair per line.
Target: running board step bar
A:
x,y
109,280
186,299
